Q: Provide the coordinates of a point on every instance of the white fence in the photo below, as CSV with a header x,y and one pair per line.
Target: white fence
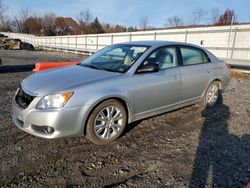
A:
x,y
224,41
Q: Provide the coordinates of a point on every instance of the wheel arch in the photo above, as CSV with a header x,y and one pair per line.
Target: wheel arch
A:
x,y
123,101
209,83
219,81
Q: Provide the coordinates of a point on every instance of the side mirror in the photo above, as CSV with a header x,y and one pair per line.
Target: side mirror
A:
x,y
153,67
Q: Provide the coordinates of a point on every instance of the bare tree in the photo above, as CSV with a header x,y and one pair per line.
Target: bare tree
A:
x,y
19,20
5,23
85,17
199,15
49,19
214,15
49,24
3,9
174,21
144,25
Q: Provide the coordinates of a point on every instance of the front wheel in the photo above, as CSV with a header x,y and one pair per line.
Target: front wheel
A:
x,y
212,95
106,122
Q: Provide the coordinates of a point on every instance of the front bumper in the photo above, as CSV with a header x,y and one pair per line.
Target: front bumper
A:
x,y
65,122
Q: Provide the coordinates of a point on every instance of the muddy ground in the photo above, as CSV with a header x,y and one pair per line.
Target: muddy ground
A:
x,y
187,147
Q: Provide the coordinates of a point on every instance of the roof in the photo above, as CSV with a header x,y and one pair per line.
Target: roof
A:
x,y
159,43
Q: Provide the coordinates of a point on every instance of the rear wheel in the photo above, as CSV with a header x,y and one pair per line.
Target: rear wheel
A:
x,y
107,122
212,95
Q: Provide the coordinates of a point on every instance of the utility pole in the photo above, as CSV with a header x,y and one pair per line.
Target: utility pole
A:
x,y
230,33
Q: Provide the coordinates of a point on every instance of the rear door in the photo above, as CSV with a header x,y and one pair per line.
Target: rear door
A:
x,y
196,72
156,91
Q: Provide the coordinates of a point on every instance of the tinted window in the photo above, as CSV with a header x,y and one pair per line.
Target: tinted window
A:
x,y
192,56
166,57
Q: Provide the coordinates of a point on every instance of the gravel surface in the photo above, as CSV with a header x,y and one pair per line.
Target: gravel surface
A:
x,y
185,148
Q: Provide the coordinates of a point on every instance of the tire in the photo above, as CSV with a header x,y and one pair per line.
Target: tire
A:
x,y
212,95
106,122
31,47
26,46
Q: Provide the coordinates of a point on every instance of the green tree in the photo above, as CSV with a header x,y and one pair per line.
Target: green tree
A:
x,y
95,27
132,29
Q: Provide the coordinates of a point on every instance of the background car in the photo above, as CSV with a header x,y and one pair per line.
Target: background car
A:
x,y
119,84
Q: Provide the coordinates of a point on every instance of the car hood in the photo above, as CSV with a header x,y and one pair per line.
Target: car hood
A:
x,y
63,79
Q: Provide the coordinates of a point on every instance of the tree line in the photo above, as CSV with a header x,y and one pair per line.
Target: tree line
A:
x,y
50,25
203,17
86,23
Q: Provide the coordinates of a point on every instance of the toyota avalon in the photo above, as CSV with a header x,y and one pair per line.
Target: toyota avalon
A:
x,y
119,84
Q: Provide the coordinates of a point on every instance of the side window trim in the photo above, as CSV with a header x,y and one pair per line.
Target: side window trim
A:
x,y
192,47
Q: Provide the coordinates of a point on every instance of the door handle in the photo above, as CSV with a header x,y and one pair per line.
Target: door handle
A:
x,y
209,70
177,76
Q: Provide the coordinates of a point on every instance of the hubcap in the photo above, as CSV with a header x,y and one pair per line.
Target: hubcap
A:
x,y
108,122
212,95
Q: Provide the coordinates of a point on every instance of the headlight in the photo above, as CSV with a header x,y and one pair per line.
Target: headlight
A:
x,y
54,101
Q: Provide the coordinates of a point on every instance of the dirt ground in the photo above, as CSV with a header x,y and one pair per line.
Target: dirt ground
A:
x,y
185,148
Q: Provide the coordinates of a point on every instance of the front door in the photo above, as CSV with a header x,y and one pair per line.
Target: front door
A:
x,y
154,92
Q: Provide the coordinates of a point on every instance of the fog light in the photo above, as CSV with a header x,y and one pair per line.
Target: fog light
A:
x,y
43,129
49,130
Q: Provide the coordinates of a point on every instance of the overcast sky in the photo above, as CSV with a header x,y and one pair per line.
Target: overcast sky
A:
x,y
129,12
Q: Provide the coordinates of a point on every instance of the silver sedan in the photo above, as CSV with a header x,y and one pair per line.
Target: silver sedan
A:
x,y
119,84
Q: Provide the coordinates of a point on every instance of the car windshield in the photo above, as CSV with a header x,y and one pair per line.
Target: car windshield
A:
x,y
115,58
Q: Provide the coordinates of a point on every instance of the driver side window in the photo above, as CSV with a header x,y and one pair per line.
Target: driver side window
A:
x,y
166,57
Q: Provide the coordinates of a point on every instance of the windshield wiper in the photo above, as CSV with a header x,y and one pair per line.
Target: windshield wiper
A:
x,y
98,68
92,66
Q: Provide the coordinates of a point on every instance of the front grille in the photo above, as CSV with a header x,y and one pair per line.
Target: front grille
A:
x,y
23,99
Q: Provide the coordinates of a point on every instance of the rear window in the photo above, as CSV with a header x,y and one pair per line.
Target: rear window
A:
x,y
192,56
